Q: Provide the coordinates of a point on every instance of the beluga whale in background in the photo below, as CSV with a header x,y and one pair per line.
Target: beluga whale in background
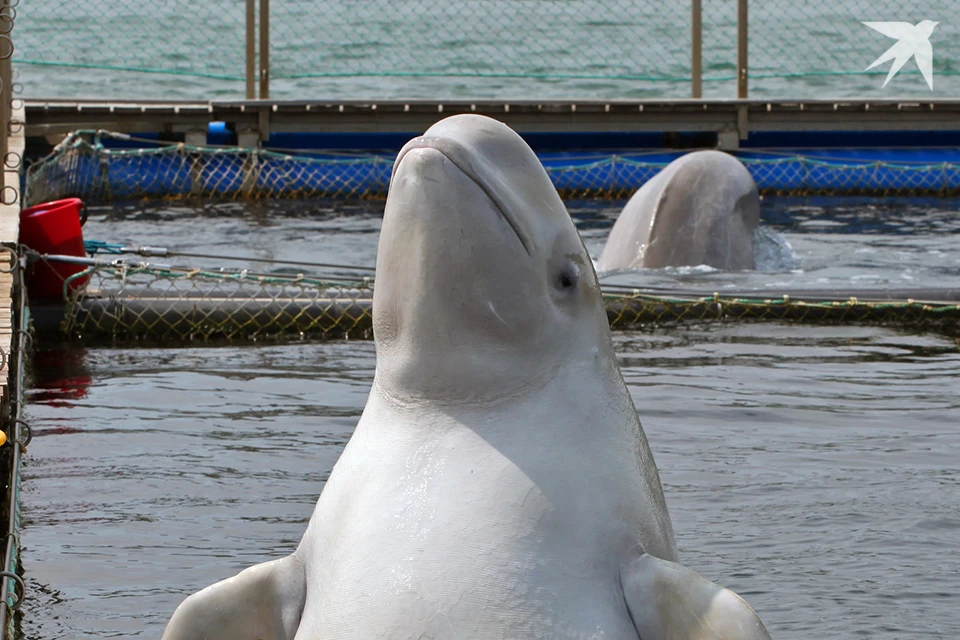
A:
x,y
702,208
498,483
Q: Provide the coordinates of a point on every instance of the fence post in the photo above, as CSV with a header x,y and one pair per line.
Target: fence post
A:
x,y
6,87
251,50
696,58
264,49
742,49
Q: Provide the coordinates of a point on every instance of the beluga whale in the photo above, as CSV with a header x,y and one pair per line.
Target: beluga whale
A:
x,y
702,208
498,483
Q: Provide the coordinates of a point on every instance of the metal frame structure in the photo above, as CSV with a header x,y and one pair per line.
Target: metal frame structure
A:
x,y
13,336
253,120
258,49
12,589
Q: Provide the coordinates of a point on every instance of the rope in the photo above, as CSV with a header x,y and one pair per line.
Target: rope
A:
x,y
116,67
93,246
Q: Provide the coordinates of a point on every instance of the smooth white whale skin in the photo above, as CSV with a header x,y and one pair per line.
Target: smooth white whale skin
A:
x,y
498,483
702,208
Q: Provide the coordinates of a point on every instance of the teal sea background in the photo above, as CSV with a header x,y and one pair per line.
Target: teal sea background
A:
x,y
464,49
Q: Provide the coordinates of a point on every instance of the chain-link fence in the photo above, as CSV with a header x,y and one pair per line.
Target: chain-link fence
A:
x,y
131,49
823,49
130,302
83,166
170,304
482,49
498,48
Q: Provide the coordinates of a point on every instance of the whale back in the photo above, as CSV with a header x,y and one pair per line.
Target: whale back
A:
x,y
702,208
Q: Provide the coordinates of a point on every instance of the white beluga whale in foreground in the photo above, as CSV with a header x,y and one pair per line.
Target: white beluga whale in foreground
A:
x,y
702,208
498,483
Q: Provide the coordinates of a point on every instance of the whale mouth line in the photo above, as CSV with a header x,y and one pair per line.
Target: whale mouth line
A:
x,y
458,156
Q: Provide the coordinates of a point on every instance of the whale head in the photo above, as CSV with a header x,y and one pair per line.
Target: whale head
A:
x,y
483,285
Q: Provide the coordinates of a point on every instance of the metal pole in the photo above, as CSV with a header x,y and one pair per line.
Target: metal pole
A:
x,y
742,49
6,88
251,50
18,444
696,60
14,374
264,49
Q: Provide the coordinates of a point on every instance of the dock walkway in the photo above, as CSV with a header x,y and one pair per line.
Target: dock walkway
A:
x,y
254,120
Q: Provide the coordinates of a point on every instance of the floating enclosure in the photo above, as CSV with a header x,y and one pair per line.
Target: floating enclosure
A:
x,y
126,300
130,303
84,165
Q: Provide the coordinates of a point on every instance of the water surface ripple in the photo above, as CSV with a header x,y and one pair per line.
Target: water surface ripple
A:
x,y
812,469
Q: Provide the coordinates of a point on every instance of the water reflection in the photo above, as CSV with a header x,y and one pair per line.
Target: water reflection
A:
x,y
60,375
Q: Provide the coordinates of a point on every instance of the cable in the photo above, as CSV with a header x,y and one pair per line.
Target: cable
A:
x,y
93,246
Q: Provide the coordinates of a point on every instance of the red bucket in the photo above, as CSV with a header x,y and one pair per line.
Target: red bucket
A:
x,y
53,228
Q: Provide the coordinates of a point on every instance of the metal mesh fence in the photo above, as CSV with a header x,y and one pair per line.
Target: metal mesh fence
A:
x,y
495,48
131,49
82,166
823,48
138,302
478,49
142,302
718,49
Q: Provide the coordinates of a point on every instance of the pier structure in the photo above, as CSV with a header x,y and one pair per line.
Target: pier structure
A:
x,y
732,122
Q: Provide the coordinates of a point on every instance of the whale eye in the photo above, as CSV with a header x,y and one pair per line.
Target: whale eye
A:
x,y
567,278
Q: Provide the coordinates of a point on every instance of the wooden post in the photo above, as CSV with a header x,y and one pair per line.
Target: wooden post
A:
x,y
264,49
696,58
742,76
251,50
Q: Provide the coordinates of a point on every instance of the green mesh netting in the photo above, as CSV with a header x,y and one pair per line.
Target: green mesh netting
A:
x,y
83,167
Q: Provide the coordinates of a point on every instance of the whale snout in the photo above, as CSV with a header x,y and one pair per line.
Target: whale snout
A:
x,y
422,164
422,154
418,150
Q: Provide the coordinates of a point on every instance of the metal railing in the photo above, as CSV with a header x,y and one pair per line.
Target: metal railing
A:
x,y
12,323
18,436
495,49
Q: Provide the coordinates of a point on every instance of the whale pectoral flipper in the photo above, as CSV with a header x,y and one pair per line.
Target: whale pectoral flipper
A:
x,y
667,601
263,602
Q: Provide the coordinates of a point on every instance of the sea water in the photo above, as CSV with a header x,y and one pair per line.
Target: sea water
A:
x,y
813,469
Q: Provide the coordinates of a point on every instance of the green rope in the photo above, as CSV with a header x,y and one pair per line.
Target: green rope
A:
x,y
466,74
818,74
480,74
110,67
